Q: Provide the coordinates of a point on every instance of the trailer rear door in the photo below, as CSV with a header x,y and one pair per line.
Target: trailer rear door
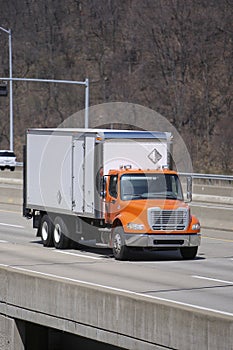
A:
x,y
89,175
78,176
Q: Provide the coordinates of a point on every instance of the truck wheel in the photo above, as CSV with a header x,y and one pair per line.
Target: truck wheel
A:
x,y
46,231
60,234
120,250
188,253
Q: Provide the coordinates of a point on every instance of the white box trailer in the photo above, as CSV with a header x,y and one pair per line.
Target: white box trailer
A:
x,y
62,165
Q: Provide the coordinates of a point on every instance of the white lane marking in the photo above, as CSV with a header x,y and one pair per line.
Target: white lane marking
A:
x,y
125,291
101,258
149,262
16,226
79,255
3,241
213,279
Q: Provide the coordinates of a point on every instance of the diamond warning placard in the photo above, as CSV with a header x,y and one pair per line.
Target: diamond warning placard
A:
x,y
155,156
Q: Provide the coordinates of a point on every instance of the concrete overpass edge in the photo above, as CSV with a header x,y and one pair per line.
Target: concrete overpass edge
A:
x,y
127,321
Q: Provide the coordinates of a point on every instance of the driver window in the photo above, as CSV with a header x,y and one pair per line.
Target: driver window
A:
x,y
113,186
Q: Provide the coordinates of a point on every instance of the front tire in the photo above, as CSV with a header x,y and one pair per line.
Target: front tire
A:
x,y
60,234
120,250
188,253
46,231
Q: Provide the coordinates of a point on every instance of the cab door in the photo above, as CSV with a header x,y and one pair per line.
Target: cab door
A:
x,y
112,201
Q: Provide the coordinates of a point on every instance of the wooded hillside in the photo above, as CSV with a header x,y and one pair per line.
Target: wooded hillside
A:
x,y
173,56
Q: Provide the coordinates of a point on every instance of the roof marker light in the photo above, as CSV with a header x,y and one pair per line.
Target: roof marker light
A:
x,y
126,167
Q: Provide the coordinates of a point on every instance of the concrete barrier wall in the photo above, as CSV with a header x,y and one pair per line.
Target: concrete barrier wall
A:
x,y
11,192
11,187
9,195
128,321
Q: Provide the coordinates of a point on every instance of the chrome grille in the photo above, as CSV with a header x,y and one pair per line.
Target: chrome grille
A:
x,y
168,220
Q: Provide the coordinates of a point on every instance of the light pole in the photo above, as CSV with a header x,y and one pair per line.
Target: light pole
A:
x,y
11,90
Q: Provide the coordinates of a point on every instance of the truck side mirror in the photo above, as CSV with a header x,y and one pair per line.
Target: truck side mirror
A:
x,y
103,194
189,189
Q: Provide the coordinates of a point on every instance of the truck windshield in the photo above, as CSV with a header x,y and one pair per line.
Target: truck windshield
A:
x,y
150,186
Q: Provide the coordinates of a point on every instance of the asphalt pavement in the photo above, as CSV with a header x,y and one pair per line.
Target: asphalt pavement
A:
x,y
205,283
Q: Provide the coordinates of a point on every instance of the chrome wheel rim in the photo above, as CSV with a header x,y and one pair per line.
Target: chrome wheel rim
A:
x,y
57,233
117,244
45,231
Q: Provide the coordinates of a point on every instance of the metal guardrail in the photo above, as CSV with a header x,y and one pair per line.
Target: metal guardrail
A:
x,y
208,176
193,175
209,188
19,163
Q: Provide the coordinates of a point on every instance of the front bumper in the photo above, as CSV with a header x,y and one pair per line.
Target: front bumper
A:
x,y
162,241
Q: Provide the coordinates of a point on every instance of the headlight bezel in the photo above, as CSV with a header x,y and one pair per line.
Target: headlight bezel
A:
x,y
196,227
135,226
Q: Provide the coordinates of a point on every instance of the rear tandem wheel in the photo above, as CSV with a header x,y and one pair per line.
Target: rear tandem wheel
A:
x,y
60,234
46,231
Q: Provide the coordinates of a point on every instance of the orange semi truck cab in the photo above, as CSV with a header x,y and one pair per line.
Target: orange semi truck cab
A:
x,y
146,209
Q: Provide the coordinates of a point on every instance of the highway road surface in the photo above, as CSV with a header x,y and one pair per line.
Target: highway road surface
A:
x,y
205,283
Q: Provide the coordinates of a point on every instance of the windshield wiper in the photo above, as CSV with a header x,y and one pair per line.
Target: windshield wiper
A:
x,y
151,195
171,196
159,195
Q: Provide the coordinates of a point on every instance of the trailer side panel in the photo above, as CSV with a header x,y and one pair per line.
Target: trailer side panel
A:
x,y
49,167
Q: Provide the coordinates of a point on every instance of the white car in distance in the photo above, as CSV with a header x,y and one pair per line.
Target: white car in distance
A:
x,y
7,160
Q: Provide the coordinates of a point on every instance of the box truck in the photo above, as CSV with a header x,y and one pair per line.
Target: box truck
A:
x,y
107,188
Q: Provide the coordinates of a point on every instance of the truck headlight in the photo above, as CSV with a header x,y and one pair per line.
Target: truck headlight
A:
x,y
196,227
136,227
